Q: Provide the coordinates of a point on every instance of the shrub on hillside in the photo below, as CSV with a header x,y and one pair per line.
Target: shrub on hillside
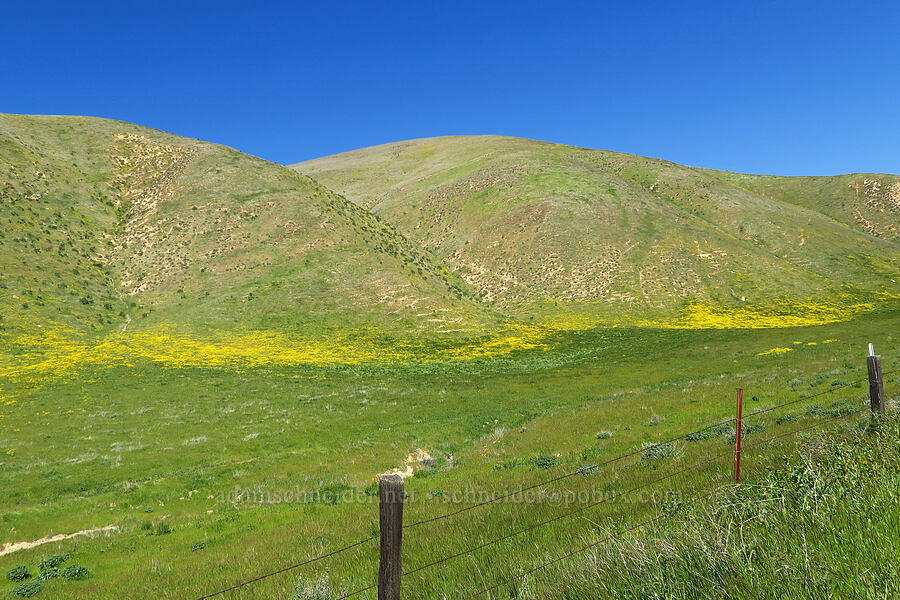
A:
x,y
833,411
786,418
75,573
657,451
49,573
27,589
314,590
544,461
18,573
52,561
705,434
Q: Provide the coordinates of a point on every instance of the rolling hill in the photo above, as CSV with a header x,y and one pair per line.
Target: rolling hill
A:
x,y
540,229
431,249
107,225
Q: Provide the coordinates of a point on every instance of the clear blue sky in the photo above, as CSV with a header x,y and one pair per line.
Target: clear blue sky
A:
x,y
766,87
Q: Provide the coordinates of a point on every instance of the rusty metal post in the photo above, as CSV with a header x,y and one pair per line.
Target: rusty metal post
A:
x,y
737,436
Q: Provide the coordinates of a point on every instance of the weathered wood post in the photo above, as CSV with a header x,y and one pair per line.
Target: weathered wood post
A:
x,y
876,383
390,493
737,436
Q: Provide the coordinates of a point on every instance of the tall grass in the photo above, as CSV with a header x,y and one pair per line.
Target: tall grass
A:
x,y
825,523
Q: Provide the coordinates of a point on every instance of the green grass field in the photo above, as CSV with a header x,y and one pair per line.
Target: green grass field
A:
x,y
264,467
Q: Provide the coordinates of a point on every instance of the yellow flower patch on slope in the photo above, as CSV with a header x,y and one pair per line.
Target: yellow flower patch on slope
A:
x,y
785,314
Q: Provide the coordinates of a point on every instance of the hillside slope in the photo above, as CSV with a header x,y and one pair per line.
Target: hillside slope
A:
x,y
866,202
105,224
542,229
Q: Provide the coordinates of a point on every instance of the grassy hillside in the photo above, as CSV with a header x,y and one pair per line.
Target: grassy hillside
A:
x,y
107,223
866,202
805,530
538,229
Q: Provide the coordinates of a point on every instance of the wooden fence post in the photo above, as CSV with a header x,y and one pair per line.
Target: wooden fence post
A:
x,y
876,383
737,436
390,493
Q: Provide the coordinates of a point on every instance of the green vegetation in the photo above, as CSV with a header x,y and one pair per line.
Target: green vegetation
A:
x,y
18,573
809,529
269,466
206,360
537,228
104,223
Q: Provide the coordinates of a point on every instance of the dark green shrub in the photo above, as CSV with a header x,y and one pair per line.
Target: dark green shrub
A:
x,y
705,434
196,546
786,418
27,589
75,573
835,410
545,461
52,561
18,573
49,573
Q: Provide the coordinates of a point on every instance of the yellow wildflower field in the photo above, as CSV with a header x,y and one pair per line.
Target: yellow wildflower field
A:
x,y
55,352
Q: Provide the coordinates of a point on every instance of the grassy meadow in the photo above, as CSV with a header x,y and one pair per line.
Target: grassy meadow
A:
x,y
216,474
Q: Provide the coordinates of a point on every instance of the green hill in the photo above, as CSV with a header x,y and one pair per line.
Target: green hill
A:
x,y
445,248
543,229
106,223
866,202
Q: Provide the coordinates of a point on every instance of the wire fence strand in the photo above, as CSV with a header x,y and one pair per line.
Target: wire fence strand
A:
x,y
587,468
579,471
563,557
290,568
801,429
567,514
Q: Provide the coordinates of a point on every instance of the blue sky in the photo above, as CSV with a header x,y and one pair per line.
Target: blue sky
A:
x,y
764,87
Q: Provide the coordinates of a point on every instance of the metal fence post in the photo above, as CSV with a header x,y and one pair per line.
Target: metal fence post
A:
x,y
737,436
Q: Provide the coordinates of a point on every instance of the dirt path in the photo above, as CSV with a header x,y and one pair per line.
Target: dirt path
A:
x,y
16,546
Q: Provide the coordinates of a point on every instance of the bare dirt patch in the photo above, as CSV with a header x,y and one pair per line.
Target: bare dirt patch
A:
x,y
17,546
